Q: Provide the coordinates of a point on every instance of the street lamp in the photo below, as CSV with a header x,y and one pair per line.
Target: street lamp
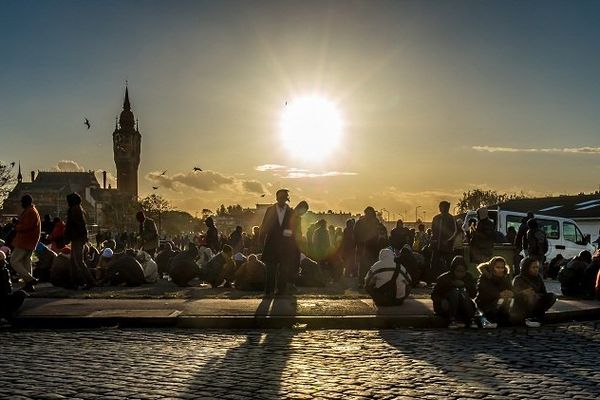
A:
x,y
388,214
417,213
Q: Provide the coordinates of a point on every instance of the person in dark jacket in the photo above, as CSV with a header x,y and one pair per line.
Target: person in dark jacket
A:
x,y
531,297
518,242
219,268
164,256
280,250
443,229
321,242
184,267
76,233
212,236
494,292
555,265
236,240
125,269
366,234
251,275
149,239
301,246
453,293
482,241
535,242
10,301
571,275
399,236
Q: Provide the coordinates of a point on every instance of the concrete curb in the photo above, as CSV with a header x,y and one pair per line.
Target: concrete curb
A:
x,y
358,322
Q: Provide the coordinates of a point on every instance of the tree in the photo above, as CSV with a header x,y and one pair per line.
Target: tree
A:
x,y
154,206
7,179
476,198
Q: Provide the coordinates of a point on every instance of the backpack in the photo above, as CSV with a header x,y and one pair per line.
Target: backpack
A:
x,y
385,295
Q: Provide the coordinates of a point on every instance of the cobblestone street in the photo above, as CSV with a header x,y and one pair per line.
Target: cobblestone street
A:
x,y
553,362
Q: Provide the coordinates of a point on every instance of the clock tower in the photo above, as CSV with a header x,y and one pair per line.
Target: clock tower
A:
x,y
127,148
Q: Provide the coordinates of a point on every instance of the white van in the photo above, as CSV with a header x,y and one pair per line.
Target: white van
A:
x,y
563,234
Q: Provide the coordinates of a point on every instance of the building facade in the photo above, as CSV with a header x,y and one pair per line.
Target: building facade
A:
x,y
106,207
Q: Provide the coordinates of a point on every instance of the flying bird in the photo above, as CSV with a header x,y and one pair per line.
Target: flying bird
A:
x,y
164,172
155,187
286,103
86,122
197,169
262,195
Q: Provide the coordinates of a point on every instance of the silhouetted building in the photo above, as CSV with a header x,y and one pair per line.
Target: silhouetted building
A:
x,y
104,206
127,142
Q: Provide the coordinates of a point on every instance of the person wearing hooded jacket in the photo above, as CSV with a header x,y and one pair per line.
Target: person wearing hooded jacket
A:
x,y
453,293
532,300
76,233
388,283
494,292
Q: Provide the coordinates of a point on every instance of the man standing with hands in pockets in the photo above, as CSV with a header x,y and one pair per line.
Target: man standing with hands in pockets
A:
x,y
279,245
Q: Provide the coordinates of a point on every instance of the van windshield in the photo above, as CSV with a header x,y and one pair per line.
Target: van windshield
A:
x,y
550,227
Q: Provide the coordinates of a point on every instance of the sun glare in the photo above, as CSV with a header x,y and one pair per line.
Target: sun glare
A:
x,y
311,127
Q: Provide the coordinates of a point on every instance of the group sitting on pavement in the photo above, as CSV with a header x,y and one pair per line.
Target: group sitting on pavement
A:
x,y
278,256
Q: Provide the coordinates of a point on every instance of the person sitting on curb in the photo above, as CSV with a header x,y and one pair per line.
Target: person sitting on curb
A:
x,y
149,266
183,266
571,276
251,275
213,271
494,292
10,301
387,282
531,298
453,293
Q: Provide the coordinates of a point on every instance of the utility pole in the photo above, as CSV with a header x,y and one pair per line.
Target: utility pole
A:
x,y
417,214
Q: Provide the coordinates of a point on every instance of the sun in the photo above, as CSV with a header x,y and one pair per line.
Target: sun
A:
x,y
311,127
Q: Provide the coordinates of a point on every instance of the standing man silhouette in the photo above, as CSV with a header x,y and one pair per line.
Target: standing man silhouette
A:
x,y
279,245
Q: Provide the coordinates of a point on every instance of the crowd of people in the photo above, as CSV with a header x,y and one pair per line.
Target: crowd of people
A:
x,y
279,255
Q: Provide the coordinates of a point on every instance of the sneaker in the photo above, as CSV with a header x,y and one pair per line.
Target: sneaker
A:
x,y
486,324
455,325
532,323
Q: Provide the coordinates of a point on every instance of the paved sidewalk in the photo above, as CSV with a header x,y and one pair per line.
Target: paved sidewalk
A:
x,y
252,313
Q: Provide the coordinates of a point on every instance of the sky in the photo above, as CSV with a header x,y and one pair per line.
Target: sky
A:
x,y
434,97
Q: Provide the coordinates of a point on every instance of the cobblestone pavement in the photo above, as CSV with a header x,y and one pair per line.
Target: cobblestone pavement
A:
x,y
553,362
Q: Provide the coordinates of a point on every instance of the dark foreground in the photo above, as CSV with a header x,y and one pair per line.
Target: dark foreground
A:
x,y
552,362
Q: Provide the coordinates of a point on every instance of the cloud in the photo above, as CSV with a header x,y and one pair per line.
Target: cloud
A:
x,y
270,167
74,166
253,187
565,150
204,181
68,166
297,175
286,172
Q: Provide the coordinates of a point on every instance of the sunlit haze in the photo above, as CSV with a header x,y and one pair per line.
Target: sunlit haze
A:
x,y
311,128
393,104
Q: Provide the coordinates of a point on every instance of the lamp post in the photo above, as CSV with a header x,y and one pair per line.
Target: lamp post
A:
x,y
388,214
417,213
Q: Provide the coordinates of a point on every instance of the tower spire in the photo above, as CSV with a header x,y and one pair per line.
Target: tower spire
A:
x,y
126,105
19,175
